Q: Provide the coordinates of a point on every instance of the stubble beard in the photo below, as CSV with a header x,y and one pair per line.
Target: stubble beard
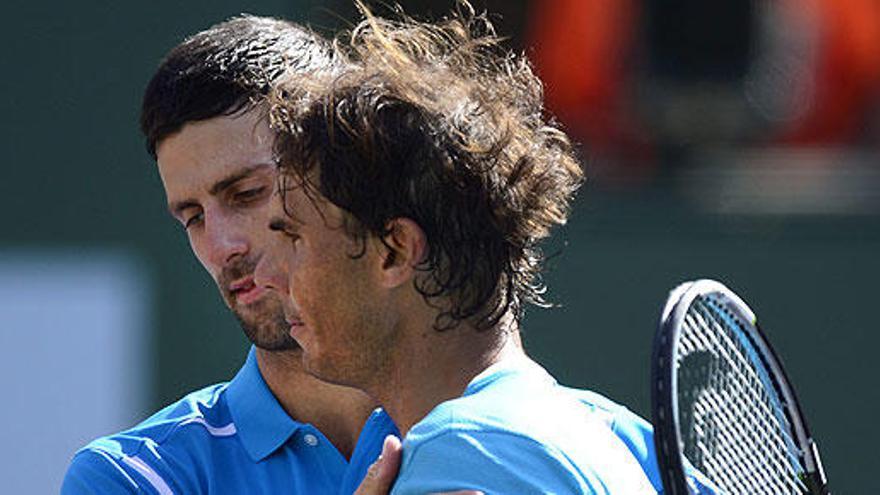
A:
x,y
264,325
263,320
365,364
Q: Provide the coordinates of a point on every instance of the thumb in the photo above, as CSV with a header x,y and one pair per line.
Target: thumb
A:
x,y
383,472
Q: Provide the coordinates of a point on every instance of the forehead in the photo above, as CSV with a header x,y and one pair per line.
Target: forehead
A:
x,y
203,153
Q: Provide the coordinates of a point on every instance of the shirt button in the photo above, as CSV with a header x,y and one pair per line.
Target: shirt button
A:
x,y
311,440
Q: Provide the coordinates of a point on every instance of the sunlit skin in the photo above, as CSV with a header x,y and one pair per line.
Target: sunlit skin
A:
x,y
219,176
357,315
332,293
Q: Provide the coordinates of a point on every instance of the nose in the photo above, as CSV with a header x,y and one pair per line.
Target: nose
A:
x,y
270,272
225,242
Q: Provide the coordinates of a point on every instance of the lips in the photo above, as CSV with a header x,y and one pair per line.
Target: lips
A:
x,y
244,290
295,324
293,320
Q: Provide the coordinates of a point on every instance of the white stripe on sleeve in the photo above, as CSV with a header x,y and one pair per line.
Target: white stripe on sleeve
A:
x,y
147,472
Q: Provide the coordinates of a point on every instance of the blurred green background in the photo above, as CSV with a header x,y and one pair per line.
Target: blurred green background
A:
x,y
686,186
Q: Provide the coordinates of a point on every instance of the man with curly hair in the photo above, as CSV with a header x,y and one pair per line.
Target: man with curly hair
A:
x,y
416,186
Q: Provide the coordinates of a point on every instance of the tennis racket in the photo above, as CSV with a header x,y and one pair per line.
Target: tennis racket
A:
x,y
721,401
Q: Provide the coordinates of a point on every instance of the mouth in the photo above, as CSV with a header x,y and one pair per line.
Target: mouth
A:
x,y
295,324
244,291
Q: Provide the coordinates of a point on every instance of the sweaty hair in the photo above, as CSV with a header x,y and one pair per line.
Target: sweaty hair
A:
x,y
438,123
225,69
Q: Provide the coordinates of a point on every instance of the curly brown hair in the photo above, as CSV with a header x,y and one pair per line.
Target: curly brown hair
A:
x,y
438,123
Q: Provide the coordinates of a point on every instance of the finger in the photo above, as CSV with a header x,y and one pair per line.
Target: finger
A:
x,y
391,454
383,472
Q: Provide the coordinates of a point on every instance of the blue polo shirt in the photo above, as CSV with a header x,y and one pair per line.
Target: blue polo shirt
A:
x,y
228,438
516,431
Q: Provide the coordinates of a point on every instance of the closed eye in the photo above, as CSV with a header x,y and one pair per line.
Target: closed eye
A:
x,y
192,220
283,227
249,195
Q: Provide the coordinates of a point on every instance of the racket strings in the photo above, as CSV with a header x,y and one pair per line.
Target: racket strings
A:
x,y
710,410
721,461
725,403
759,396
737,399
752,388
733,433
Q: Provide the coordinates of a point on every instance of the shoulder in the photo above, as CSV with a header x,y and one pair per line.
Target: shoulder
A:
x,y
528,406
157,455
518,438
636,432
487,460
95,471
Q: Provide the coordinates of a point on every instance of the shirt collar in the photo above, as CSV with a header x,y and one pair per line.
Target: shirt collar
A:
x,y
262,424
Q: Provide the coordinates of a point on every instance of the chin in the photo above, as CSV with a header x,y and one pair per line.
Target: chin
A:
x,y
276,346
268,339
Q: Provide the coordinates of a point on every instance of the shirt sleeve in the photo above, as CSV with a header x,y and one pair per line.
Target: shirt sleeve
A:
x,y
96,472
638,436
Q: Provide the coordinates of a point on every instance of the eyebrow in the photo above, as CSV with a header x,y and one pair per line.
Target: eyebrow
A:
x,y
177,207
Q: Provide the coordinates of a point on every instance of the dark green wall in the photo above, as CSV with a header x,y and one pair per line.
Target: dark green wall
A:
x,y
76,177
811,281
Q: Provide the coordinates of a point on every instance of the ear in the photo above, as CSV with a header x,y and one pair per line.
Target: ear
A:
x,y
405,247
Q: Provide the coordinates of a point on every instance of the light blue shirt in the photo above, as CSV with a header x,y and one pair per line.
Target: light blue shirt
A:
x,y
227,438
516,431
638,435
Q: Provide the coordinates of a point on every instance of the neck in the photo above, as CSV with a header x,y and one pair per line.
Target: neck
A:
x,y
410,389
338,412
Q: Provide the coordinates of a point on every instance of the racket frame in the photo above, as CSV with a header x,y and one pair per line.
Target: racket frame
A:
x,y
664,389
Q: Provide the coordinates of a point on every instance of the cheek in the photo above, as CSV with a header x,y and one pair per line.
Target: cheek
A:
x,y
324,296
254,223
304,285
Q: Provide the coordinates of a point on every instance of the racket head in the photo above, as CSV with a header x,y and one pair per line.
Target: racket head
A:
x,y
721,400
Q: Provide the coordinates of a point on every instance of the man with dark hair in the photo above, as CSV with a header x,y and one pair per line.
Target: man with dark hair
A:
x,y
416,185
273,428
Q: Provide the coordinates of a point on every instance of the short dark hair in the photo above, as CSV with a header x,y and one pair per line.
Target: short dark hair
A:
x,y
225,69
438,123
